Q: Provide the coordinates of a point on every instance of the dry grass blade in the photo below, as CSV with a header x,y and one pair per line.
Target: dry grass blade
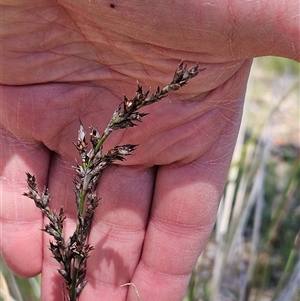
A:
x,y
134,287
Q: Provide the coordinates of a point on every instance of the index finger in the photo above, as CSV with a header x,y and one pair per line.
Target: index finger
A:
x,y
21,221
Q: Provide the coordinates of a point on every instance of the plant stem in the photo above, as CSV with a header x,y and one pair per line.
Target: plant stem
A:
x,y
73,285
73,255
100,143
81,202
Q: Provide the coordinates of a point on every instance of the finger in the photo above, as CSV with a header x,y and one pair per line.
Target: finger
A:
x,y
117,231
21,221
183,214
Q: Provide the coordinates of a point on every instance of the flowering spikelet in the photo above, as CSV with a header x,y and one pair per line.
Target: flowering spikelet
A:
x,y
72,254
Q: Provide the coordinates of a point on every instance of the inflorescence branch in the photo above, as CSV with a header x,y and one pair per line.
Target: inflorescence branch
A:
x,y
73,253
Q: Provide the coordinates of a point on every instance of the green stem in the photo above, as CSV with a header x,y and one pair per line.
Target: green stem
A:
x,y
81,202
73,285
99,144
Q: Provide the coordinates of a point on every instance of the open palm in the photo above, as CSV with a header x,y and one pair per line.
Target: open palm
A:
x,y
75,60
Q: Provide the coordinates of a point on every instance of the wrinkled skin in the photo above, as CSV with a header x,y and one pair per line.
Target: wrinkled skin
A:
x,y
66,60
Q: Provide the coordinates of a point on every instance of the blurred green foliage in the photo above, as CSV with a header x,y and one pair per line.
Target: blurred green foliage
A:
x,y
279,65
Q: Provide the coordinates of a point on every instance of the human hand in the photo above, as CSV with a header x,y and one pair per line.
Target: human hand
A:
x,y
75,60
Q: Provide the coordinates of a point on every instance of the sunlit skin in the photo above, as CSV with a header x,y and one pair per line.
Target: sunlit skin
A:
x,y
66,60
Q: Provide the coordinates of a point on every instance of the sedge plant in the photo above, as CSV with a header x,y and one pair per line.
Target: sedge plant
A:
x,y
72,253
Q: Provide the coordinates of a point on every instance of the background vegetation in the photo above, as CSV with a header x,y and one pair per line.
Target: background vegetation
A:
x,y
254,251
